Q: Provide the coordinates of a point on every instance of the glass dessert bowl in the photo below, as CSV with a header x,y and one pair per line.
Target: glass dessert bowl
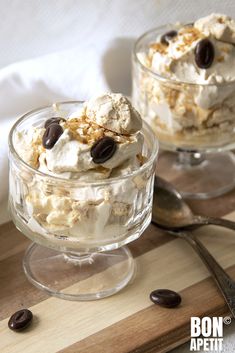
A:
x,y
79,226
184,87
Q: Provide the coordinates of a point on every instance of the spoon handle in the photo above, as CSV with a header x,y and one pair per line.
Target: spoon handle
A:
x,y
224,282
216,221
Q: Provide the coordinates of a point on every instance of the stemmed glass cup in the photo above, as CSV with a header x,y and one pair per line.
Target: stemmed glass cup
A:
x,y
197,138
83,255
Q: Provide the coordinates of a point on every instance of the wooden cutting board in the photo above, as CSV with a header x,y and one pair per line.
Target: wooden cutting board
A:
x,y
127,321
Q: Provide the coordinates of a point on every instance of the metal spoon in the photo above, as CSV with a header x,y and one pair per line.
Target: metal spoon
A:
x,y
168,202
174,213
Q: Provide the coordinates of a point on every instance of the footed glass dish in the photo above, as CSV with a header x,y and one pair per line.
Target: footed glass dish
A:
x,y
197,137
96,219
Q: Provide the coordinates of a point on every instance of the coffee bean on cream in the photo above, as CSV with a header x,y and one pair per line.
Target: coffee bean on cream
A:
x,y
51,135
53,120
103,149
167,37
204,53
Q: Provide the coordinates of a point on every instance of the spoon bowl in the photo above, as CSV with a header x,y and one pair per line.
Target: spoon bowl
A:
x,y
169,208
171,212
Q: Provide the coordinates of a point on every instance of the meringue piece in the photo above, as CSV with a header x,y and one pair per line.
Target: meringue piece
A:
x,y
114,112
219,26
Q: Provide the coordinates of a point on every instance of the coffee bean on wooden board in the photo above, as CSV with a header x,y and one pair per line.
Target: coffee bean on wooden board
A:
x,y
20,320
103,149
51,135
165,297
204,53
166,38
55,120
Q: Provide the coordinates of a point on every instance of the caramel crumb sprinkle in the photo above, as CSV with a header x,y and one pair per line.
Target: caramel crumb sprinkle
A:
x,y
83,131
190,35
220,20
87,132
226,49
220,59
141,159
159,47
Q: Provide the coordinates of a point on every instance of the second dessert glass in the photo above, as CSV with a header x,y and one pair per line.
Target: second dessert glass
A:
x,y
82,256
198,141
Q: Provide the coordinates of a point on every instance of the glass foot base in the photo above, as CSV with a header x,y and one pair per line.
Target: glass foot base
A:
x,y
196,176
75,276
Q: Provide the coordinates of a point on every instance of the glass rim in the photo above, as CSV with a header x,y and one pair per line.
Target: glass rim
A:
x,y
77,182
164,78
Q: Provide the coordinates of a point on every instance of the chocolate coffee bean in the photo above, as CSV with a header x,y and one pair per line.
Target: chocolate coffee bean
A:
x,y
51,135
165,297
20,320
103,149
55,120
204,53
166,38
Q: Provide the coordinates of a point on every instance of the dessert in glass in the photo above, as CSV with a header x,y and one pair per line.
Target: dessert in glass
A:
x,y
184,87
81,187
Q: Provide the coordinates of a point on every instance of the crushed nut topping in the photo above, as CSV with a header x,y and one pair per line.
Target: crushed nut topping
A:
x,y
189,35
220,59
159,47
142,159
88,132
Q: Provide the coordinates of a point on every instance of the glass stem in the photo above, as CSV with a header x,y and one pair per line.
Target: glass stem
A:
x,y
79,258
189,158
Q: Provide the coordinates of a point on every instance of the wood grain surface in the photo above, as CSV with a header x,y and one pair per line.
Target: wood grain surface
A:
x,y
127,321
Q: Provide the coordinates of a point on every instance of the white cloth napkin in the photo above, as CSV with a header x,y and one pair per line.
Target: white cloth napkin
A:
x,y
73,74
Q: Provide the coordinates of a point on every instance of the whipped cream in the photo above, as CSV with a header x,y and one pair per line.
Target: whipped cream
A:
x,y
87,212
28,144
80,159
71,157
